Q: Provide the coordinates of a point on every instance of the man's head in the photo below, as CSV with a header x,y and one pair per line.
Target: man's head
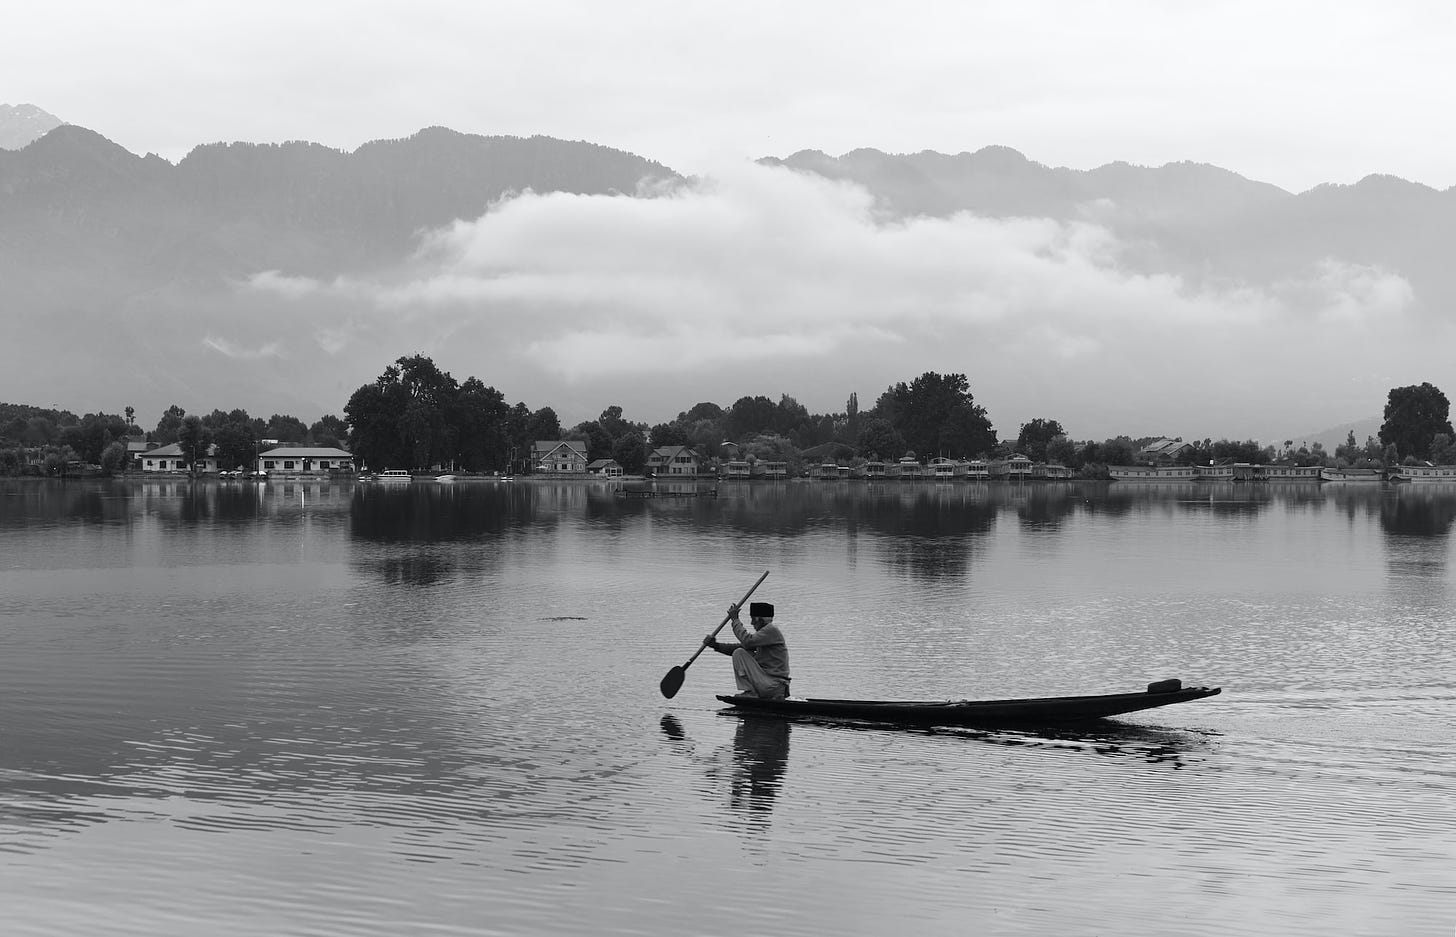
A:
x,y
760,613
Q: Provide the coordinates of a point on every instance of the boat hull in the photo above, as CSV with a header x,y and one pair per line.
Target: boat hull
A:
x,y
1052,710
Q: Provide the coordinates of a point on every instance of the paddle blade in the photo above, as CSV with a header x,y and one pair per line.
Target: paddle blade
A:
x,y
673,682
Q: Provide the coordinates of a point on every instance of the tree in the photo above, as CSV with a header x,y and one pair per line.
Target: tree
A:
x,y
236,444
481,419
669,434
130,416
1413,417
168,426
701,411
285,428
1035,437
1061,451
598,443
630,451
194,438
113,458
879,439
936,413
750,415
611,421
1443,449
544,424
328,431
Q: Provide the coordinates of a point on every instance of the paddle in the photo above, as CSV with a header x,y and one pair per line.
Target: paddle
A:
x,y
674,679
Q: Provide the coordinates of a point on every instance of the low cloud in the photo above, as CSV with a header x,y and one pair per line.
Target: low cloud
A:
x,y
765,280
231,350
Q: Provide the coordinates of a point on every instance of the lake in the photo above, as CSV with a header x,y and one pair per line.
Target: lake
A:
x,y
339,709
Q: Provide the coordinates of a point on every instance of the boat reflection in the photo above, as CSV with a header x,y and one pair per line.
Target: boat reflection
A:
x,y
760,757
1154,745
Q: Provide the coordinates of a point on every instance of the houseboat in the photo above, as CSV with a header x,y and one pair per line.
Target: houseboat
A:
x,y
1364,476
394,476
978,470
911,470
874,470
1016,468
1213,473
1292,473
737,470
1152,473
1426,474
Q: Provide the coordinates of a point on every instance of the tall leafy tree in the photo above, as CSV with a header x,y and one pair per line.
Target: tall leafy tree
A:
x,y
168,426
194,438
481,418
1035,436
630,451
598,443
936,413
750,415
1414,415
880,439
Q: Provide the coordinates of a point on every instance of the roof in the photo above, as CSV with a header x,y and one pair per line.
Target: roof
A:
x,y
174,451
602,463
546,446
305,452
668,452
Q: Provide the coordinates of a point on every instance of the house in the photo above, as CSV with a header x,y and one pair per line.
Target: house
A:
x,y
136,447
558,457
1163,450
305,460
738,469
607,468
673,460
772,471
173,459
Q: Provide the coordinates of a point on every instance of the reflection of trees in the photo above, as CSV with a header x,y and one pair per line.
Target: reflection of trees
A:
x,y
428,513
1419,512
40,503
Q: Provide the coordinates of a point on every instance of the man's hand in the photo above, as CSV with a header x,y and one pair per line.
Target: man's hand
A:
x,y
733,612
708,641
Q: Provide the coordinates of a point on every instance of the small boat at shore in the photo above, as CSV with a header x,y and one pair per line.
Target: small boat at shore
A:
x,y
1044,711
394,476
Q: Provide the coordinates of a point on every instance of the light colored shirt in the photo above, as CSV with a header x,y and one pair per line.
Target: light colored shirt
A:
x,y
767,647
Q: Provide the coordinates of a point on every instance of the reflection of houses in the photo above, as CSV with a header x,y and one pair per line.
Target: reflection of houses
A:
x,y
172,459
1163,450
558,457
305,460
673,460
607,468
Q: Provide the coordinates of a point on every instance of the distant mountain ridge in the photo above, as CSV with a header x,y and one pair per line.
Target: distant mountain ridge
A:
x,y
1193,219
234,209
22,124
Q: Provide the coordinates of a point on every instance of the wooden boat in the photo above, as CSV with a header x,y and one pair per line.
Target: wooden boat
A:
x,y
1045,711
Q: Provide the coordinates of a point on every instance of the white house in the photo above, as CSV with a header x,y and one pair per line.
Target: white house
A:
x,y
173,459
558,457
305,460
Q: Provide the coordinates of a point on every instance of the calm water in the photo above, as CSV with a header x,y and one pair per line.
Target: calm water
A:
x,y
326,709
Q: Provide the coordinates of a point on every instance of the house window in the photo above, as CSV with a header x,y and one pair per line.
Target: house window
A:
x,y
287,465
269,464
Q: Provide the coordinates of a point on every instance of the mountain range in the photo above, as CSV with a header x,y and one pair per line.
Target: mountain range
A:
x,y
112,262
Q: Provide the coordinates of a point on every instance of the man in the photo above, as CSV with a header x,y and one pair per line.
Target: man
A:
x,y
761,657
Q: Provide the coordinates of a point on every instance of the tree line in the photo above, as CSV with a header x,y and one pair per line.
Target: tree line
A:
x,y
416,416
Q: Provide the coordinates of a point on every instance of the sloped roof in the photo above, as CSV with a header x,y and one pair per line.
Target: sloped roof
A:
x,y
174,451
305,452
547,446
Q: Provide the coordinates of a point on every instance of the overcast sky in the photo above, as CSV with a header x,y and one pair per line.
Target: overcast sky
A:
x,y
1293,93
760,282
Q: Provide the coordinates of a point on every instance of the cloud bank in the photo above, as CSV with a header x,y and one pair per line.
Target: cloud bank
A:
x,y
765,280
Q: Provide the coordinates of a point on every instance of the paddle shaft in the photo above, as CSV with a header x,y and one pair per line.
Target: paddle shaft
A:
x,y
726,618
